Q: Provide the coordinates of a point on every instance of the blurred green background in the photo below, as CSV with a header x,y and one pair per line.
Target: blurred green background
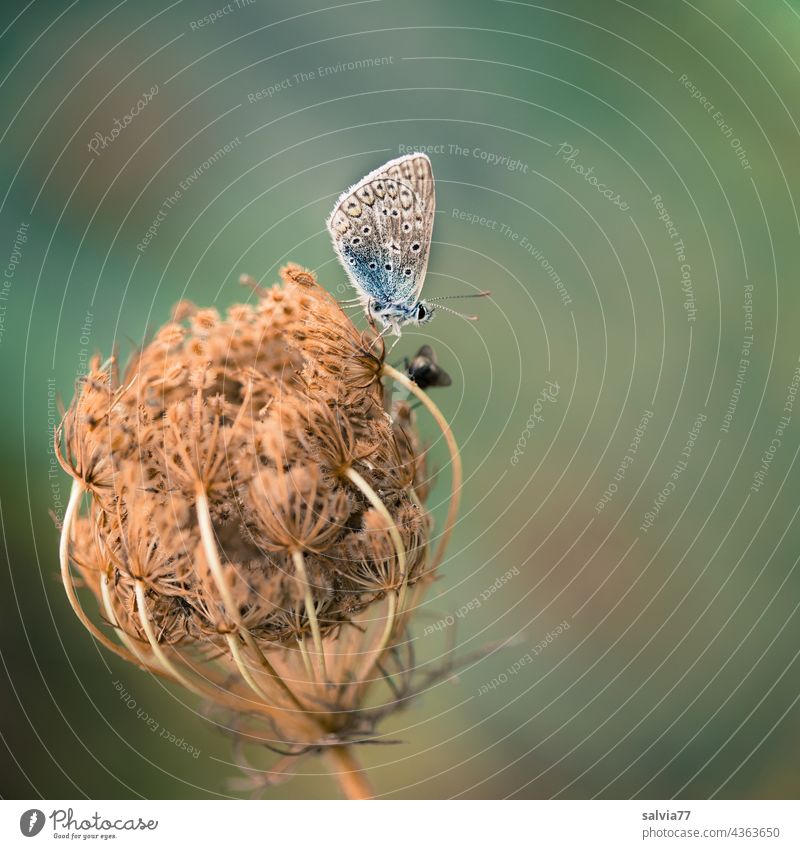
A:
x,y
678,674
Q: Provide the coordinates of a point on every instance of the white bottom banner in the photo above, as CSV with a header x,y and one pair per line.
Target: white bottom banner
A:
x,y
401,824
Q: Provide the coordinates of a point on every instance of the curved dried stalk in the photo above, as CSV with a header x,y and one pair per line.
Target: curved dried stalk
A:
x,y
211,553
223,698
212,558
311,610
160,656
455,459
66,577
349,772
169,666
270,669
127,641
374,658
391,525
306,658
242,667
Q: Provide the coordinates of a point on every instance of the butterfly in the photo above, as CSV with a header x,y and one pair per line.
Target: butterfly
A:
x,y
381,229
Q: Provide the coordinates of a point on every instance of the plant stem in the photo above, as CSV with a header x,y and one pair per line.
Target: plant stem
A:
x,y
311,610
455,458
73,508
391,526
215,565
346,769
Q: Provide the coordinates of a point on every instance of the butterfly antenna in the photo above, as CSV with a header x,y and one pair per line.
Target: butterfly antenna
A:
x,y
453,297
455,312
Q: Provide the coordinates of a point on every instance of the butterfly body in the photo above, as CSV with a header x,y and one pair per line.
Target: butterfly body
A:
x,y
381,229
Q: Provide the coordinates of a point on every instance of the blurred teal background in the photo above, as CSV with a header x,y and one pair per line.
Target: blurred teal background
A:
x,y
678,673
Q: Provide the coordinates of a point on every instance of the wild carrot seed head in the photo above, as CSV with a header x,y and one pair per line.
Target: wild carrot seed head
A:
x,y
257,414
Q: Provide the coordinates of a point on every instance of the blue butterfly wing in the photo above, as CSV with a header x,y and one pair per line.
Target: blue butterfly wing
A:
x,y
381,230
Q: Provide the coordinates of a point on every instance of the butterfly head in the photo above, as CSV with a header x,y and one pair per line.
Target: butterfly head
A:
x,y
421,313
398,315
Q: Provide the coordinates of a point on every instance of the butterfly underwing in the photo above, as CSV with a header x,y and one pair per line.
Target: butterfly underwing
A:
x,y
381,229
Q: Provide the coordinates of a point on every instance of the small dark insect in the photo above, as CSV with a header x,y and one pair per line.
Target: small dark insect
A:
x,y
425,371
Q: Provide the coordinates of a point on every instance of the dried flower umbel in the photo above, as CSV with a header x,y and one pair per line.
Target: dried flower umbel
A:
x,y
251,521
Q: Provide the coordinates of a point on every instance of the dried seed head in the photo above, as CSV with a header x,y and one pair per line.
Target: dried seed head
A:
x,y
254,419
